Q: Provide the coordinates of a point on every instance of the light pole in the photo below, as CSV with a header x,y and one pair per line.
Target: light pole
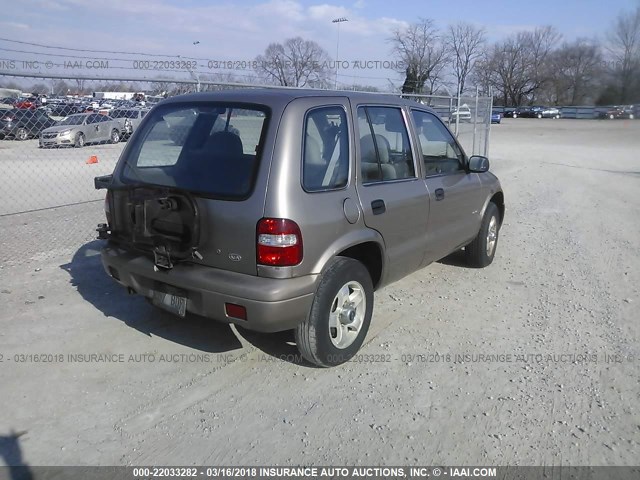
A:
x,y
193,74
338,21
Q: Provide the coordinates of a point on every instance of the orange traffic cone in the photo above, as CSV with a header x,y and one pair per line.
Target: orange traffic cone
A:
x,y
92,159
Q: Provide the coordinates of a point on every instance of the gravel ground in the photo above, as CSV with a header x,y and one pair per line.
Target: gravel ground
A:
x,y
532,361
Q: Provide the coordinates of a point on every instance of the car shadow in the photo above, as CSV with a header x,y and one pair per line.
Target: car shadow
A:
x,y
96,287
279,346
455,259
11,455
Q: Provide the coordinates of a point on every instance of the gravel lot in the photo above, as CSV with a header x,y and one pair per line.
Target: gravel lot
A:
x,y
532,361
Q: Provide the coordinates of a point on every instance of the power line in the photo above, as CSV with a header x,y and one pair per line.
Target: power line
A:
x,y
66,55
91,51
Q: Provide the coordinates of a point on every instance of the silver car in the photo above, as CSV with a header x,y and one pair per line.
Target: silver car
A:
x,y
292,216
131,118
82,128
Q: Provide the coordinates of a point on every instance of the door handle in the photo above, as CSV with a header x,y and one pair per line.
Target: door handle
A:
x,y
378,207
439,193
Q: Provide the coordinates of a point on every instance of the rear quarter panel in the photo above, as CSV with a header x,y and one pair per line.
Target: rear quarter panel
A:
x,y
320,215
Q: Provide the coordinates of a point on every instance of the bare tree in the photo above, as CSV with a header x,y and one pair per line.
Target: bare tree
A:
x,y
61,88
519,66
465,43
624,46
576,69
80,86
11,85
422,52
295,63
40,88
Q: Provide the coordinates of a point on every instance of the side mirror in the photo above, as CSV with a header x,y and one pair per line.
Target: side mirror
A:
x,y
102,182
478,164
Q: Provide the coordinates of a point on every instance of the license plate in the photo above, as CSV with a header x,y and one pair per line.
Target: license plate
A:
x,y
172,303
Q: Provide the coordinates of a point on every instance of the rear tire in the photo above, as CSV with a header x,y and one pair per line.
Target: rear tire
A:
x,y
115,136
340,314
481,251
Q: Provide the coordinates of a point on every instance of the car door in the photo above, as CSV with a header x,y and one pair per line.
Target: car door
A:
x,y
456,197
92,128
394,199
106,125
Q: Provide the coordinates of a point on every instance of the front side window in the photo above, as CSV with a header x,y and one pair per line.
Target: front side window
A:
x,y
325,163
440,152
385,151
210,149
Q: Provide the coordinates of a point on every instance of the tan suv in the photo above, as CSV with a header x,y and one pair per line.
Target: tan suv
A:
x,y
283,209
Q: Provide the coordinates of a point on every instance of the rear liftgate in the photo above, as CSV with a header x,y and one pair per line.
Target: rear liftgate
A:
x,y
163,222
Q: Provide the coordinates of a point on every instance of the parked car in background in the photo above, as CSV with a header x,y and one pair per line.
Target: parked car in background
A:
x,y
29,103
496,117
131,118
7,102
80,129
511,112
549,112
24,124
284,225
64,109
462,114
619,112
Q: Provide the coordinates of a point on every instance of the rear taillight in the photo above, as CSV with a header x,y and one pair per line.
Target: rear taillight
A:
x,y
107,206
279,242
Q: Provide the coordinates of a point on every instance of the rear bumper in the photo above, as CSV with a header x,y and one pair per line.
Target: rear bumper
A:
x,y
272,304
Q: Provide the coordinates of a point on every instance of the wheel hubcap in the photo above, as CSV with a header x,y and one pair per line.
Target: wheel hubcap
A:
x,y
492,236
347,314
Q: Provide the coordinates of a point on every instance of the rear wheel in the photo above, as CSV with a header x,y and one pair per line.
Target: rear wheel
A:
x,y
79,142
22,134
340,315
115,136
481,251
539,115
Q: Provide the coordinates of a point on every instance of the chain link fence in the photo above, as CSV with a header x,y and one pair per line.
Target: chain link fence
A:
x,y
468,117
52,146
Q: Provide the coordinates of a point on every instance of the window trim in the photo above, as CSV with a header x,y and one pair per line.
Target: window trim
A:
x,y
304,144
465,158
409,128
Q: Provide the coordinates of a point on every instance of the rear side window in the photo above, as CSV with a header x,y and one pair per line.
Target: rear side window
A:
x,y
210,149
325,164
385,151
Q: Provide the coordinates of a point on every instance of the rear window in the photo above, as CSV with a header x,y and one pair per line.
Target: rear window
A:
x,y
210,149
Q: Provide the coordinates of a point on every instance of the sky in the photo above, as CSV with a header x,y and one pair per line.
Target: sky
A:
x,y
151,31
